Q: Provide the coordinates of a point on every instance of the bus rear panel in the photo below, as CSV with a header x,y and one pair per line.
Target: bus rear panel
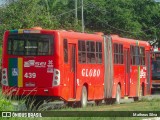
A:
x,y
29,63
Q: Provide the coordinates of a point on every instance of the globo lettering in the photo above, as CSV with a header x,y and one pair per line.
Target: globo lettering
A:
x,y
91,72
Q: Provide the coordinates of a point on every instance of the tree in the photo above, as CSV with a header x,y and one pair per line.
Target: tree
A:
x,y
127,18
24,14
124,17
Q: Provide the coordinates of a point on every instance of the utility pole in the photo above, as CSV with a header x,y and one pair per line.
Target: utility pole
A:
x,y
82,18
76,18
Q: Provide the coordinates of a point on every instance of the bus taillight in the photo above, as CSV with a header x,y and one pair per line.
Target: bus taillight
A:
x,y
4,77
56,78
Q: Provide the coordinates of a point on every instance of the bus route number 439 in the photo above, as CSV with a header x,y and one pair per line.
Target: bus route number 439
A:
x,y
30,75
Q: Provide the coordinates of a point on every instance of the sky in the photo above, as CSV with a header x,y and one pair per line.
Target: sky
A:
x,y
2,1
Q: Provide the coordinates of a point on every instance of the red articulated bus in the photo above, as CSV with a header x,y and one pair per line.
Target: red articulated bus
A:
x,y
73,66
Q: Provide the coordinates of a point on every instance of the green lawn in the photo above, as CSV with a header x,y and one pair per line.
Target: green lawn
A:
x,y
144,105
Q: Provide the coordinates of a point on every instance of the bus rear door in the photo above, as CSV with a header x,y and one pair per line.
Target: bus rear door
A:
x,y
127,73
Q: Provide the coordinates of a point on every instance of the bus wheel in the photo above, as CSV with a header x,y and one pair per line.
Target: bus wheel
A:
x,y
109,101
70,104
141,92
118,95
84,97
98,102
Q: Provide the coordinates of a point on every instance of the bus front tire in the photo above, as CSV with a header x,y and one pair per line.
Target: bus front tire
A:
x,y
98,102
83,97
118,95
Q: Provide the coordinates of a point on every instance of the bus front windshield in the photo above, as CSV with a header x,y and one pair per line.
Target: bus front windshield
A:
x,y
156,70
30,44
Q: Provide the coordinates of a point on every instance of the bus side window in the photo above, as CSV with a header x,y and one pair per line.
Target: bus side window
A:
x,y
65,46
131,51
142,56
133,55
115,46
99,52
91,52
81,51
120,54
137,56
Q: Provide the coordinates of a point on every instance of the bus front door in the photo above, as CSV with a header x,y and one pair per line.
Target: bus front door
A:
x,y
72,70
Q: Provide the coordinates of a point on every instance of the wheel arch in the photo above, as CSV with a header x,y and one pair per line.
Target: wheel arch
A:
x,y
143,88
86,85
115,89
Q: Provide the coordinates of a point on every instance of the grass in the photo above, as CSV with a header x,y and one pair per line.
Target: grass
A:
x,y
138,106
143,105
